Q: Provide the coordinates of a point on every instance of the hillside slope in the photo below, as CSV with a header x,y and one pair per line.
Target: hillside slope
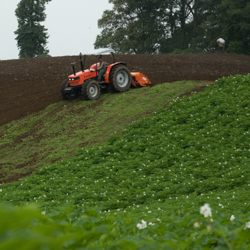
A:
x,y
146,187
61,128
30,85
196,141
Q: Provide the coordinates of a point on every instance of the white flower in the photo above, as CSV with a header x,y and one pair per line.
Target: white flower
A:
x,y
232,218
43,213
1,190
196,224
205,210
151,224
142,225
247,225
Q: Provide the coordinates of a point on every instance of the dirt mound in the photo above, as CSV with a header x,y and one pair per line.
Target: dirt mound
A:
x,y
29,85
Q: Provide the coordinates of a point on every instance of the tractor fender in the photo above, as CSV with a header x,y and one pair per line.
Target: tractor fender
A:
x,y
109,69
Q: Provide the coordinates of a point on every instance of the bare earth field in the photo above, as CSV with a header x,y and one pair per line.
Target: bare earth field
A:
x,y
29,85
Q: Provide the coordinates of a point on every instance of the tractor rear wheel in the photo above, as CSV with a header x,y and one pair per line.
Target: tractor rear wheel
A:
x,y
90,90
120,78
67,96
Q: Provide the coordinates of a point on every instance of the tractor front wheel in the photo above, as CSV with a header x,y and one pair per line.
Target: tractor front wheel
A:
x,y
90,90
120,78
67,96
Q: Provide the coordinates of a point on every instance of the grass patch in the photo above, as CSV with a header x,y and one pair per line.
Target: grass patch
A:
x,y
59,130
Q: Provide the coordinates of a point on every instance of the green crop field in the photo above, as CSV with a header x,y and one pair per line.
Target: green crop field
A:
x,y
63,127
177,178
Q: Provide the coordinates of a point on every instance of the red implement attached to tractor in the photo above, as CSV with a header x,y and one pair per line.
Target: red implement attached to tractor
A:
x,y
117,77
139,80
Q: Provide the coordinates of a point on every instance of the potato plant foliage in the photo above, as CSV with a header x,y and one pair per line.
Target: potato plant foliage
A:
x,y
161,170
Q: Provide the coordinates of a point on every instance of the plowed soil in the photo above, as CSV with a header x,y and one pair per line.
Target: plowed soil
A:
x,y
29,85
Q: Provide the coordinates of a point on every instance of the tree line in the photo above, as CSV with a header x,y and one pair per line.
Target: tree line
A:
x,y
149,26
174,26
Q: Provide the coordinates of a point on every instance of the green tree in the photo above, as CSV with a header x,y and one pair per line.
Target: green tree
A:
x,y
183,14
152,26
204,25
228,19
196,25
156,26
132,26
234,20
31,36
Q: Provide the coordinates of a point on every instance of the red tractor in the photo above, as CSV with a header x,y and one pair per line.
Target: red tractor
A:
x,y
117,77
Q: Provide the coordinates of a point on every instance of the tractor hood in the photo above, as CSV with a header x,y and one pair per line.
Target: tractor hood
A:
x,y
77,75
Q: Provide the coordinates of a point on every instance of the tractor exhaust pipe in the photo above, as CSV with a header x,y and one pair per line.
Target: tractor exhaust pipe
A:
x,y
73,67
81,62
113,57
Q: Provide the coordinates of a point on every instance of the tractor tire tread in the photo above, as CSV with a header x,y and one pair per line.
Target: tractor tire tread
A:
x,y
113,85
85,90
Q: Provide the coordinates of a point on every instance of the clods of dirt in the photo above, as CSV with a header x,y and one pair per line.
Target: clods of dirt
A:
x,y
30,85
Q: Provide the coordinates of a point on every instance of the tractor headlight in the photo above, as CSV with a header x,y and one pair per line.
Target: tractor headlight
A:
x,y
74,79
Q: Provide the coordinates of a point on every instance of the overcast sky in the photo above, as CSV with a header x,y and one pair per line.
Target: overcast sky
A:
x,y
72,26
